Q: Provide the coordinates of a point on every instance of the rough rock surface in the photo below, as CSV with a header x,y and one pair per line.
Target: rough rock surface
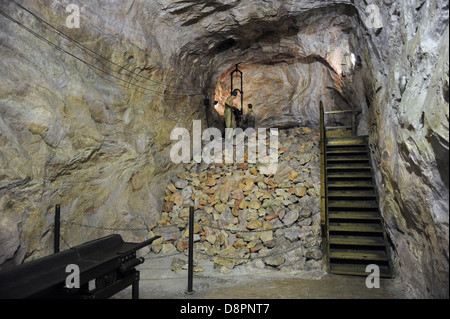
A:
x,y
94,136
91,137
406,79
241,215
92,132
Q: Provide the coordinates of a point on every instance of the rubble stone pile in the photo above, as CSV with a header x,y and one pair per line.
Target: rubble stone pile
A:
x,y
243,215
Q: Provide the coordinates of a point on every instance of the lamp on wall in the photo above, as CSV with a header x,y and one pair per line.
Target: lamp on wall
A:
x,y
402,84
353,60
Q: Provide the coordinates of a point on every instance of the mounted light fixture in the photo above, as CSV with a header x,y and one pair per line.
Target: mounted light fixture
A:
x,y
353,60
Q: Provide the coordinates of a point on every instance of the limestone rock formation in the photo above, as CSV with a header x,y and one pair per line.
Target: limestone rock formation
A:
x,y
409,136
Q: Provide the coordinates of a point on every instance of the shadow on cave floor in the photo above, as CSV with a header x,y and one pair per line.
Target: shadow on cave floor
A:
x,y
158,281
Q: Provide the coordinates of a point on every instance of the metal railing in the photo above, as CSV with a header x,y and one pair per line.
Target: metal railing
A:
x,y
323,183
322,166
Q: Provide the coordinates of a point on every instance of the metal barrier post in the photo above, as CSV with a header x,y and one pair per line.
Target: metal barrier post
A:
x,y
189,290
57,228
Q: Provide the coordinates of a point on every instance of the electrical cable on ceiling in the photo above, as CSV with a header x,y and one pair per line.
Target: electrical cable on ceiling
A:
x,y
89,50
84,48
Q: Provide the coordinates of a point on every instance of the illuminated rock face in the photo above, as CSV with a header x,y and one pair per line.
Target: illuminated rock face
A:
x,y
406,79
95,137
283,95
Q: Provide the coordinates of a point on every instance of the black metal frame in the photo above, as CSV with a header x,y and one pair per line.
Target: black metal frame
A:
x,y
190,290
109,261
324,190
57,226
242,85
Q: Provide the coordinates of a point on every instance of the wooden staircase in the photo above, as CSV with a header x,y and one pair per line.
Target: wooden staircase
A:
x,y
353,224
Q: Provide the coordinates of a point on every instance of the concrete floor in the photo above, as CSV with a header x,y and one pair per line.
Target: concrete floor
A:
x,y
158,281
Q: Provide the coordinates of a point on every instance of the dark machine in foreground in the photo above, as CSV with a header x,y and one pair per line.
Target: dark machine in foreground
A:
x,y
106,266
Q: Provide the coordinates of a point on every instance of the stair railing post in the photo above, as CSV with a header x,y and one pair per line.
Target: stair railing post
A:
x,y
189,290
57,230
322,164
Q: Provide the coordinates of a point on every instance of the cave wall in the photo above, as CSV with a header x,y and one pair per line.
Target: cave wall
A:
x,y
93,138
283,94
406,80
87,133
291,59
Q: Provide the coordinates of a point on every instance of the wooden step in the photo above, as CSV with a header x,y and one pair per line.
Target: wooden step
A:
x,y
355,215
373,255
350,184
375,241
342,142
339,127
355,227
346,141
339,131
348,166
339,150
353,204
356,137
349,174
347,158
351,194
357,269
